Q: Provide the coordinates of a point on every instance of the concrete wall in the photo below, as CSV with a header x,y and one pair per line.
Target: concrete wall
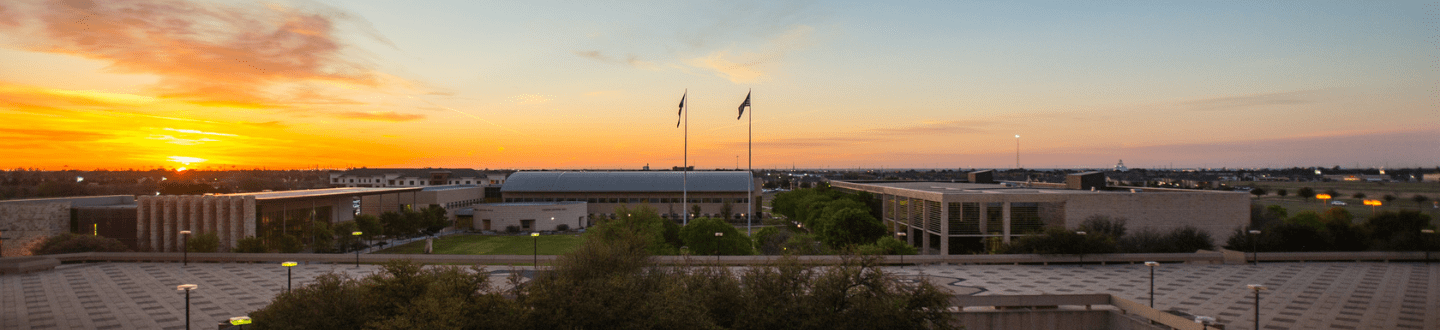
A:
x,y
663,208
160,219
572,214
451,199
26,224
1217,213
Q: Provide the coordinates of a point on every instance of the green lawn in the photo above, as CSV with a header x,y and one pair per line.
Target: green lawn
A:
x,y
493,245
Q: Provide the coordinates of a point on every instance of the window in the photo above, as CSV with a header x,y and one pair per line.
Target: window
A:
x,y
591,200
352,180
654,200
527,224
614,200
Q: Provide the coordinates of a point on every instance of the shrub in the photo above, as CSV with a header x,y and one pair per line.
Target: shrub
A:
x,y
289,244
204,242
250,244
1061,241
76,243
1188,239
1103,225
562,227
1145,240
1397,231
771,240
887,246
699,235
512,229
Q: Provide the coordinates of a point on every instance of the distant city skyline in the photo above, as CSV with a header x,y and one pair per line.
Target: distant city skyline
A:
x,y
556,85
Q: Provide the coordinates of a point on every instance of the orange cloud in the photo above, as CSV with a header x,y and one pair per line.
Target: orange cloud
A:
x,y
389,116
230,54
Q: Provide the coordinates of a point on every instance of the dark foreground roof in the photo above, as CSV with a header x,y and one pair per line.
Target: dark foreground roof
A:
x,y
636,181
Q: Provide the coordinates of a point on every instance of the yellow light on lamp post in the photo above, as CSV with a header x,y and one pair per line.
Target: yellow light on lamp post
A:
x,y
357,251
1323,197
1372,203
535,240
287,265
187,288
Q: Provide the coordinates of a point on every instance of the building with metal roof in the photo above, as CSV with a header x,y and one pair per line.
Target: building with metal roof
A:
x,y
961,217
604,192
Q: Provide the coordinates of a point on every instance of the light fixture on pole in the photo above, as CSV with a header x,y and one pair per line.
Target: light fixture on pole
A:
x,y
185,247
718,235
187,288
357,250
1083,246
1257,288
535,241
1372,203
287,265
902,253
1254,247
240,321
1205,322
1017,151
1430,241
1152,266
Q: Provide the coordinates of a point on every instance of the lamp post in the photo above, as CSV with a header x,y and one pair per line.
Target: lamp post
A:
x,y
187,288
1152,266
185,247
240,321
535,241
287,265
1430,232
718,235
1323,198
1083,246
1254,247
1372,203
1204,321
357,251
1257,288
902,253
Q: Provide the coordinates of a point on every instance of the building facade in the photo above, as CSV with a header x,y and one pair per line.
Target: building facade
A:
x,y
415,177
605,192
949,217
530,217
160,219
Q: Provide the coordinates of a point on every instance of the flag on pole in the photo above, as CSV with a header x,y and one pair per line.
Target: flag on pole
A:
x,y
743,105
681,113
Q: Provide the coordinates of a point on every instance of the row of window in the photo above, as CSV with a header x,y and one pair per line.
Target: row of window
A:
x,y
412,182
463,203
628,200
676,216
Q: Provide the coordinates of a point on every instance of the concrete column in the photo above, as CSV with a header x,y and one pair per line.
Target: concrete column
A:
x,y
167,232
984,213
1005,214
156,223
909,234
222,230
235,220
247,219
142,235
944,228
207,215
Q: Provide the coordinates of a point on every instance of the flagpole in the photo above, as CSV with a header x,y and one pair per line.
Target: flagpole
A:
x,y
750,170
685,170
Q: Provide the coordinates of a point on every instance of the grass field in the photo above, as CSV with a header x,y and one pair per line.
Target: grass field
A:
x,y
493,245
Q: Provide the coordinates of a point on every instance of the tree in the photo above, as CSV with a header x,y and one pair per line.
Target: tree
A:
x,y
1358,195
1305,192
661,236
322,238
1337,214
726,209
700,237
289,244
1389,198
846,222
1419,200
1307,218
887,246
76,243
344,240
1332,193
1281,192
204,242
370,226
435,220
1396,231
1258,192
1062,241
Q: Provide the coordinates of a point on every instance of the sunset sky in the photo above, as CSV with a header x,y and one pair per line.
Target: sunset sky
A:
x,y
535,84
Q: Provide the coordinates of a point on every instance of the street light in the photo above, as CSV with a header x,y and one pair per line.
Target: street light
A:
x,y
1082,248
287,265
902,253
185,245
1254,249
1372,203
1205,322
1152,265
187,288
535,240
1323,198
1427,248
240,321
718,235
357,251
1257,288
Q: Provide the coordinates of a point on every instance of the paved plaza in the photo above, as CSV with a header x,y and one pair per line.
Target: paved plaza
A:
x,y
1346,295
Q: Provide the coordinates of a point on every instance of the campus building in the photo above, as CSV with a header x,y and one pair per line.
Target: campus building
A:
x,y
24,223
452,198
956,217
489,181
526,217
264,214
604,192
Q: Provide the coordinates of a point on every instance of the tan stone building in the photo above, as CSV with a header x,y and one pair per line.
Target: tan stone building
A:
x,y
604,192
234,216
530,217
950,217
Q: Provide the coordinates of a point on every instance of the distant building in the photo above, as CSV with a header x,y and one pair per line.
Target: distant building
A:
x,y
1430,177
603,192
529,217
1120,167
950,217
1357,177
414,177
451,197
